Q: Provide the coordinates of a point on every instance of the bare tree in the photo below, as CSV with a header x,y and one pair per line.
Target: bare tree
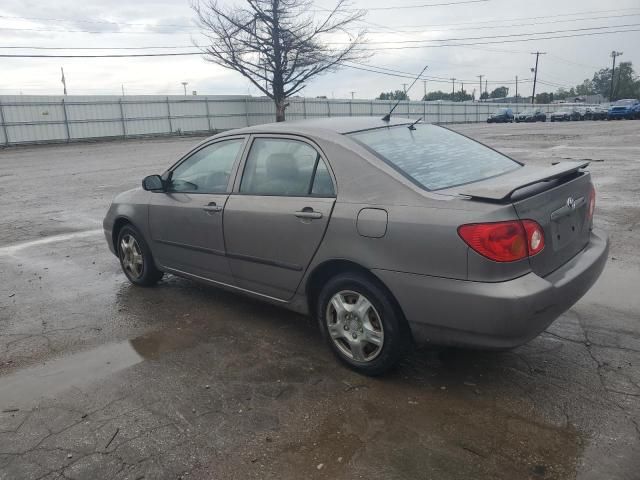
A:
x,y
278,44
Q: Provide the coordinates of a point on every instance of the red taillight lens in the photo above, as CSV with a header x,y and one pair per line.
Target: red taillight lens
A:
x,y
592,203
504,241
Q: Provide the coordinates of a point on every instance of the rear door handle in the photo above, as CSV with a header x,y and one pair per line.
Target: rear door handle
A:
x,y
211,207
308,212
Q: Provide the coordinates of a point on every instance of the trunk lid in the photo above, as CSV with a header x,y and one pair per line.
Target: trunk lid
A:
x,y
562,212
556,197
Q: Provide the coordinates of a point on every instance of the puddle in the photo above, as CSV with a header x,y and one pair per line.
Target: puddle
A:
x,y
24,388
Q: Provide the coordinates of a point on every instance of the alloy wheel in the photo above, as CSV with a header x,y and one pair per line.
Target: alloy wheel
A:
x,y
131,256
354,325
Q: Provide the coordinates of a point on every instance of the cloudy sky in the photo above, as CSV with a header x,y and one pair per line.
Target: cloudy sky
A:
x,y
490,30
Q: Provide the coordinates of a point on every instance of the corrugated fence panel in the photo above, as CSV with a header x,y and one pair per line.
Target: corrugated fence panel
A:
x,y
32,119
317,108
260,111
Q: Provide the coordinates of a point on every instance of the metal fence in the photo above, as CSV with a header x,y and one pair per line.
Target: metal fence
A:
x,y
49,119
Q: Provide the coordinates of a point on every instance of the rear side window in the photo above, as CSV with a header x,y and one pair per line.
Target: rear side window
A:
x,y
434,157
285,167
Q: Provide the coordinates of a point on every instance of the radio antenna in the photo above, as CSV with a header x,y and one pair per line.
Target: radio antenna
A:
x,y
387,117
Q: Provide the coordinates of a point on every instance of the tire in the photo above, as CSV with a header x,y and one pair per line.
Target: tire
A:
x,y
348,332
135,258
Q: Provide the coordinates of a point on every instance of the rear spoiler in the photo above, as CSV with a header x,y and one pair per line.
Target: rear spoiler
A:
x,y
501,188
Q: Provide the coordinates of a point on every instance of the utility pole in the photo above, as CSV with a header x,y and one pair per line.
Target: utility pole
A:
x,y
352,94
64,81
453,88
184,85
462,89
424,82
614,54
122,86
486,87
480,91
535,75
516,88
404,88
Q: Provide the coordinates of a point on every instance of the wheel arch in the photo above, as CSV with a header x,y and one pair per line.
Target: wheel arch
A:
x,y
118,224
330,268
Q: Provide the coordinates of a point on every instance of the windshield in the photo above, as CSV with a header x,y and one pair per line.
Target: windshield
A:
x,y
500,111
625,103
528,112
434,157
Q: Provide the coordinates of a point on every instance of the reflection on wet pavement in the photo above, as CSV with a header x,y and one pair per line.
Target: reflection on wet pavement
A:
x,y
56,376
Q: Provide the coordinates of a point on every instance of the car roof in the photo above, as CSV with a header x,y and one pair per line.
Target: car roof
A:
x,y
338,125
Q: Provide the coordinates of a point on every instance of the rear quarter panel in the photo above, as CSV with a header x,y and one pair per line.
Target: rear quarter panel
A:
x,y
420,239
421,235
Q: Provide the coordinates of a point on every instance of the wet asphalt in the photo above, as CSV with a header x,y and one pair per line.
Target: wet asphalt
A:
x,y
100,379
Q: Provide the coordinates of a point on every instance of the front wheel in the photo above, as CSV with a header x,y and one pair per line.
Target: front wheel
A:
x,y
135,258
362,325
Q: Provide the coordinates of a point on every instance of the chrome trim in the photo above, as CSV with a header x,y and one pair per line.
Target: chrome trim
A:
x,y
226,285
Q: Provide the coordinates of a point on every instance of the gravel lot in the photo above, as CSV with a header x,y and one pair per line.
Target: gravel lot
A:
x,y
99,379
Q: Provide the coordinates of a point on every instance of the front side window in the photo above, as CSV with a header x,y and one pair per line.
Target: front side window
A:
x,y
207,170
285,167
435,157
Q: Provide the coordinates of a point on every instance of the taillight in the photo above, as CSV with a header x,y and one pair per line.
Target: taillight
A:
x,y
504,241
592,203
535,237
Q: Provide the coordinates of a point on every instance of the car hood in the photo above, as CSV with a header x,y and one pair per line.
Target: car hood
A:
x,y
130,196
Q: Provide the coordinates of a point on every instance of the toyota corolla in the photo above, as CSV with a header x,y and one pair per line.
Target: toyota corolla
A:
x,y
388,233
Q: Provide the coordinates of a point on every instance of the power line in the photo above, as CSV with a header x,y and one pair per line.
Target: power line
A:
x,y
493,21
427,77
362,49
510,25
475,22
462,39
161,47
424,5
124,55
505,41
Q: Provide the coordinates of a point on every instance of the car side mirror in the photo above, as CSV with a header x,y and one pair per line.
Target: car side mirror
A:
x,y
153,183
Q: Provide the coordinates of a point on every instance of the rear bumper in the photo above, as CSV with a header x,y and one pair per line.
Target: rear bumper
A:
x,y
494,315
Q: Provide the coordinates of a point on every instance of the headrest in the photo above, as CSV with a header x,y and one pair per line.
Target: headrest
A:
x,y
281,165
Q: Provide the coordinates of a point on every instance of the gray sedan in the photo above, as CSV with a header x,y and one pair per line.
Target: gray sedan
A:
x,y
388,233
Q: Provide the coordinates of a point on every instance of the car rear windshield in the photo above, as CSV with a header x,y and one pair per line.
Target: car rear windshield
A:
x,y
434,157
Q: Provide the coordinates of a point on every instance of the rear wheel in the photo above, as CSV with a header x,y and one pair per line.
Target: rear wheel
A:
x,y
135,258
361,324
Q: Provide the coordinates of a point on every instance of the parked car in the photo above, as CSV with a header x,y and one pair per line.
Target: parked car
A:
x,y
560,116
502,115
567,114
386,232
598,112
531,115
623,109
636,112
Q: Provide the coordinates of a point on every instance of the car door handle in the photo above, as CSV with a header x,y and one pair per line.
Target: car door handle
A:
x,y
308,213
212,208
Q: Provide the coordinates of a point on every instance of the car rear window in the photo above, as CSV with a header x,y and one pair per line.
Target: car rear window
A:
x,y
435,157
